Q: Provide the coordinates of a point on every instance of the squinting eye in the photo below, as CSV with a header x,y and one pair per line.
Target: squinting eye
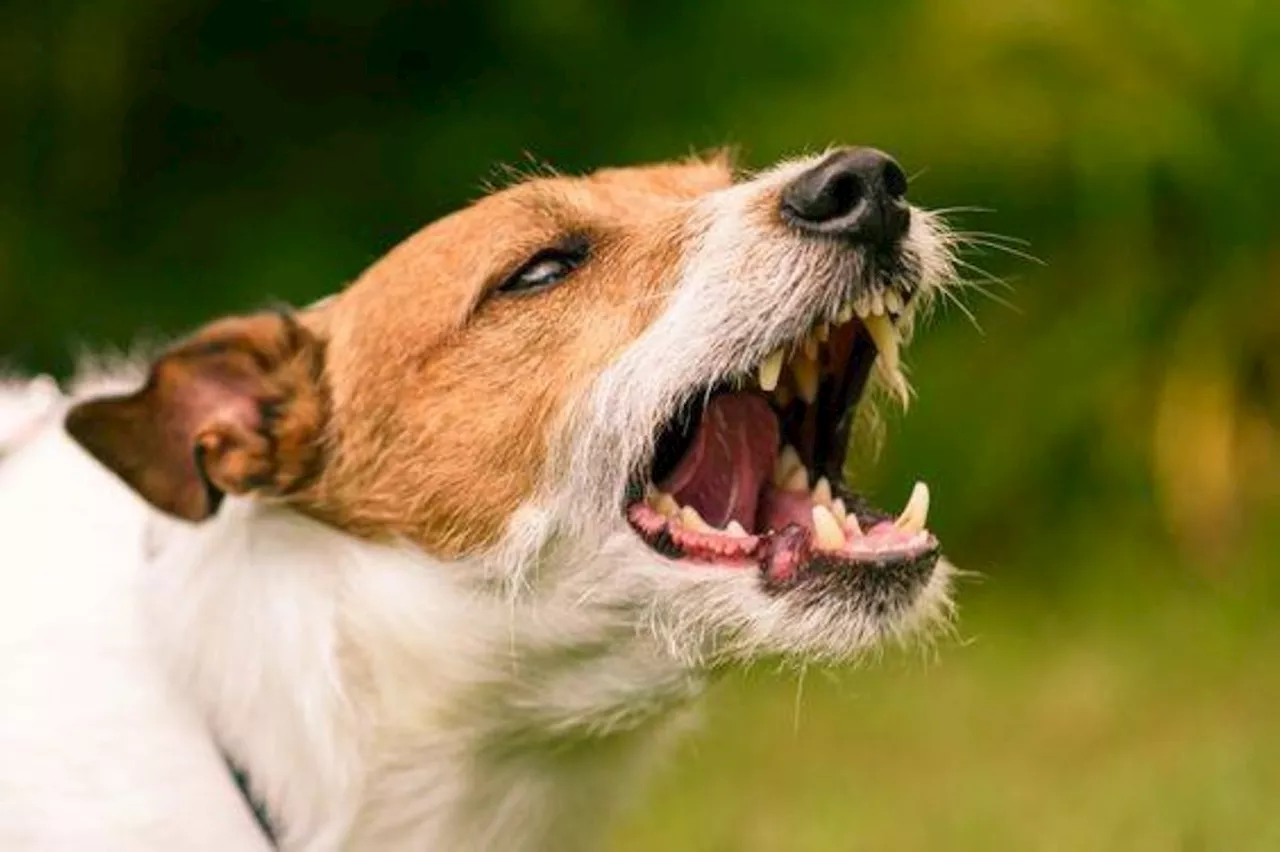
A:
x,y
545,269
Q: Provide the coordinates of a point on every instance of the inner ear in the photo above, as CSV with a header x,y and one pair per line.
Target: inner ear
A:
x,y
237,408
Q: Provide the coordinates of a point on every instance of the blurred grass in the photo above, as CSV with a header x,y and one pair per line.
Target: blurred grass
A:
x,y
1145,721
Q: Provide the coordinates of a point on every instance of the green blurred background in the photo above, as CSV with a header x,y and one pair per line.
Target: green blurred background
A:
x,y
1102,450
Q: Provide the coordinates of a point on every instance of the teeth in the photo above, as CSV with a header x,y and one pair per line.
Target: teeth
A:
x,y
783,395
877,304
735,528
810,346
892,302
826,529
852,527
664,504
822,492
797,480
806,373
788,461
822,332
916,511
690,518
845,313
898,384
862,308
886,339
841,513
770,370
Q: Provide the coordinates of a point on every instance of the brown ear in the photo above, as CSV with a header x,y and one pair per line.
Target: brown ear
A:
x,y
239,407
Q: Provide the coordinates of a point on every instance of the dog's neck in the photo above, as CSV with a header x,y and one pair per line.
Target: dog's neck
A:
x,y
377,701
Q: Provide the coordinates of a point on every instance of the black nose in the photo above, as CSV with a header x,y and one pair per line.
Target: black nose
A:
x,y
856,193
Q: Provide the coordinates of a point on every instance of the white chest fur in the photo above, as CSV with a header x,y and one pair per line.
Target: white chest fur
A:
x,y
379,701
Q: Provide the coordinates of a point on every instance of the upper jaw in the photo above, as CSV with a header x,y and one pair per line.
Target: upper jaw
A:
x,y
859,328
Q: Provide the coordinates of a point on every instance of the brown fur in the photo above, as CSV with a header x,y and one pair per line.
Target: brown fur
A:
x,y
236,408
442,393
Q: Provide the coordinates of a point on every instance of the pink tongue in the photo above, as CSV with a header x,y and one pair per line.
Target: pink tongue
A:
x,y
728,462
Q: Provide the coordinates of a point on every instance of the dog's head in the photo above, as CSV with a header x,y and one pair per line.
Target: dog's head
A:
x,y
632,390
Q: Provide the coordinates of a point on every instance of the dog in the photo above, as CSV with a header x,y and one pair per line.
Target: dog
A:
x,y
443,560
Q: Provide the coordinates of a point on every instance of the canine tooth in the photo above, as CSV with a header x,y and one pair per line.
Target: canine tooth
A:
x,y
822,491
665,504
892,302
806,375
826,529
822,331
877,304
916,511
771,369
886,339
797,480
838,509
787,461
845,313
735,528
898,384
888,363
690,518
852,527
810,346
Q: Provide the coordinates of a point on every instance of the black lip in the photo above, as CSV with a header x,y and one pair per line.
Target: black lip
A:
x,y
882,587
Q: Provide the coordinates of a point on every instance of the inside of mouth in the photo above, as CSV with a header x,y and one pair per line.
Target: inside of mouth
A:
x,y
751,471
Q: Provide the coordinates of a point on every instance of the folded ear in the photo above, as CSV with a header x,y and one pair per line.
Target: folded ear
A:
x,y
237,408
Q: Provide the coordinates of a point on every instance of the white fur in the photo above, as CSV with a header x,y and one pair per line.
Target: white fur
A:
x,y
97,750
380,698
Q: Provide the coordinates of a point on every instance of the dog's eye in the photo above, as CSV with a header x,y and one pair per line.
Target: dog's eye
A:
x,y
546,268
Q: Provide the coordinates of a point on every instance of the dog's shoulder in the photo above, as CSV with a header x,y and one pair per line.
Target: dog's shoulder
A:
x,y
25,405
89,723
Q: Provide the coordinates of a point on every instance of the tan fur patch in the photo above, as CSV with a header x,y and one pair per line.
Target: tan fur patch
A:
x,y
444,392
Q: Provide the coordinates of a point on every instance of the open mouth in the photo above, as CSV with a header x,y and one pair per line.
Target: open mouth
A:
x,y
750,472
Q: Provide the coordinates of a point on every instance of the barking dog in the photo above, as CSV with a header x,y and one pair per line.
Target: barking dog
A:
x,y
439,561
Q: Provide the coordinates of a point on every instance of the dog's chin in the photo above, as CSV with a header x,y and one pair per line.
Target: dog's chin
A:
x,y
707,616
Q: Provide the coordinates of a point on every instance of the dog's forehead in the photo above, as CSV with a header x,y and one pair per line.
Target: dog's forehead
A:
x,y
610,194
682,179
441,271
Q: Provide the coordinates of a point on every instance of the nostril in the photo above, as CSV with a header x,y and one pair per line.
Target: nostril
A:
x,y
823,196
843,193
894,180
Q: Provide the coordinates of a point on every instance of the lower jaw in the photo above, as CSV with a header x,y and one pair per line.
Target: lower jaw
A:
x,y
797,552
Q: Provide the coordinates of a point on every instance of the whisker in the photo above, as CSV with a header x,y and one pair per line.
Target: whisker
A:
x,y
969,239
953,299
795,723
946,211
1018,253
980,289
994,279
991,235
